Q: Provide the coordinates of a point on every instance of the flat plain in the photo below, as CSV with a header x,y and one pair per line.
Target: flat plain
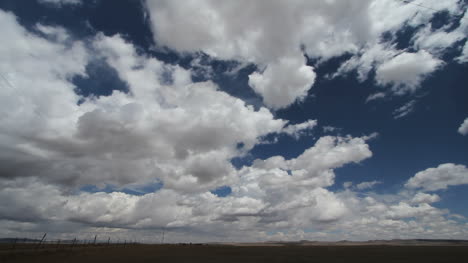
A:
x,y
261,252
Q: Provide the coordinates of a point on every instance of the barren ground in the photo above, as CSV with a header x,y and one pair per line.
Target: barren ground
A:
x,y
239,253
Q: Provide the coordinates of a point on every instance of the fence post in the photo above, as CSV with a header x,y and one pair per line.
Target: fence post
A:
x,y
73,243
14,243
40,242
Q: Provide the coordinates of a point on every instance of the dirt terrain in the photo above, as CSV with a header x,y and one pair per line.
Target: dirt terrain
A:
x,y
272,252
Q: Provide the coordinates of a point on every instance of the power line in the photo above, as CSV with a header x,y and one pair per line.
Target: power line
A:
x,y
423,6
412,3
7,81
15,90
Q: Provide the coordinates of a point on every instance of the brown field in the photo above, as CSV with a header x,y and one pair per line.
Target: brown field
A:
x,y
237,253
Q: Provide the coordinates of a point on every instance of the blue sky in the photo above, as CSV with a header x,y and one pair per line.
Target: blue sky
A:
x,y
219,121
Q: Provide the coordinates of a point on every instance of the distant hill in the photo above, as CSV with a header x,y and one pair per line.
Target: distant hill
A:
x,y
18,240
393,242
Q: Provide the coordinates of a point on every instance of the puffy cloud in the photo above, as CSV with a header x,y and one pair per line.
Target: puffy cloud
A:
x,y
388,17
183,134
180,133
114,209
31,199
31,67
265,195
227,30
420,198
367,185
395,216
391,15
370,56
264,199
314,166
459,34
406,70
330,129
463,58
296,130
463,129
255,36
404,210
438,41
294,189
347,184
441,177
171,129
375,96
283,82
54,33
331,152
402,71
250,31
204,122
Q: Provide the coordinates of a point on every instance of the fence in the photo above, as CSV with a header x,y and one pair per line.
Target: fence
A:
x,y
11,245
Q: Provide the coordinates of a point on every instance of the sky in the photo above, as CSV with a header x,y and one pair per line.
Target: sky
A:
x,y
234,121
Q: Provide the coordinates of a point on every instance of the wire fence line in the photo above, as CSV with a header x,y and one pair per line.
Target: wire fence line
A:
x,y
12,245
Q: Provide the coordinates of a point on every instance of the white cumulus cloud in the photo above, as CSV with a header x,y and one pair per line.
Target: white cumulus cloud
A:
x,y
420,198
440,177
367,185
182,135
251,31
463,129
296,130
283,82
406,70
